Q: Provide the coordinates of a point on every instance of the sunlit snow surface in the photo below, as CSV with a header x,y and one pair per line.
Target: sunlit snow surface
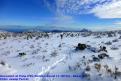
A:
x,y
53,55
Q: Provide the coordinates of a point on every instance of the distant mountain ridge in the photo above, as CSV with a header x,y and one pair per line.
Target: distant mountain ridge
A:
x,y
17,28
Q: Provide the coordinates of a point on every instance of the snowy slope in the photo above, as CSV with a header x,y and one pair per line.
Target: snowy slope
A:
x,y
53,55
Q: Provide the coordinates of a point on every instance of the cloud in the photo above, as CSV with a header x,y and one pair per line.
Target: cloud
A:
x,y
66,9
49,5
100,8
61,18
108,10
78,6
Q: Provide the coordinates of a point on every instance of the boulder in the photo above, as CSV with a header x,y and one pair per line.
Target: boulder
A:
x,y
81,46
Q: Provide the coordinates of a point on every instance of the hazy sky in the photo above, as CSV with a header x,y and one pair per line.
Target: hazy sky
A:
x,y
61,13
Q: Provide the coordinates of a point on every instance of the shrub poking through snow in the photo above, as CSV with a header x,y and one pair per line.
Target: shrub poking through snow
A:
x,y
102,48
116,73
29,36
54,54
108,43
70,68
115,40
86,75
95,58
98,67
103,55
78,65
114,48
88,68
98,37
2,63
22,54
92,49
119,37
81,46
